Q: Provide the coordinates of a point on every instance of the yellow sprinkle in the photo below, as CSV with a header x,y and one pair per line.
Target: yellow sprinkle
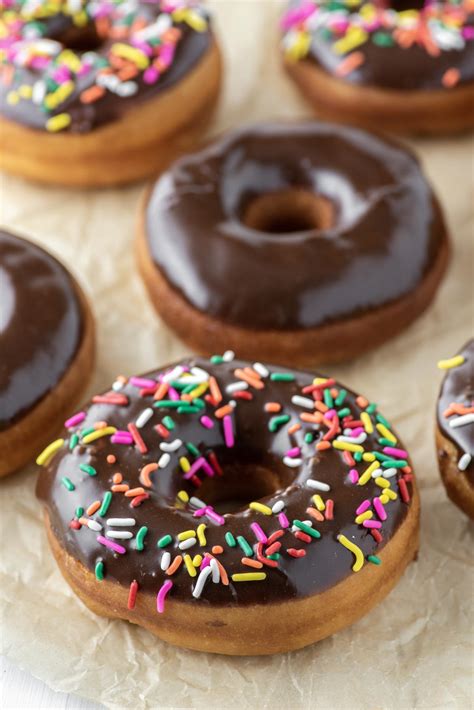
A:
x,y
201,535
260,508
319,503
57,123
368,457
368,426
191,18
382,482
366,476
25,91
452,362
80,19
384,499
299,47
186,534
106,431
189,566
319,381
386,433
359,557
391,494
197,559
352,39
134,55
183,496
364,516
48,453
345,446
185,465
12,98
199,390
249,576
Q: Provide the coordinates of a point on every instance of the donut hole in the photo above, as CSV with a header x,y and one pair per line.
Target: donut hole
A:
x,y
81,39
240,484
289,211
403,5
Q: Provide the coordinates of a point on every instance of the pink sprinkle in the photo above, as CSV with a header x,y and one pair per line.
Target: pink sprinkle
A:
x,y
358,430
142,382
297,15
398,453
208,468
205,563
379,509
112,545
365,505
259,534
228,431
372,524
200,512
330,414
173,394
195,467
207,422
75,420
295,451
161,596
211,513
353,475
151,75
122,437
283,520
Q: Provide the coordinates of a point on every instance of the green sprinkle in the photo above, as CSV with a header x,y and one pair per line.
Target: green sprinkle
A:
x,y
99,571
383,421
328,400
282,377
105,503
188,409
74,441
181,385
380,457
169,423
87,431
217,359
230,539
385,442
245,547
67,483
79,512
276,422
90,470
357,456
168,403
383,39
374,559
307,529
164,541
308,438
275,556
394,463
199,403
344,412
340,397
192,449
140,538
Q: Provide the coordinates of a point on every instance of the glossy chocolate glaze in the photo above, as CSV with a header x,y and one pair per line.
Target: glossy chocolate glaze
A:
x,y
40,326
395,67
386,232
458,387
327,562
191,49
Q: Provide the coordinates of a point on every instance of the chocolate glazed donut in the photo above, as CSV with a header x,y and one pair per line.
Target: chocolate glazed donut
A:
x,y
46,348
455,428
324,507
403,66
306,242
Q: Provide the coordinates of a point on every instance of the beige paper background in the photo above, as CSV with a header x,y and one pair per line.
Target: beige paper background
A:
x,y
416,649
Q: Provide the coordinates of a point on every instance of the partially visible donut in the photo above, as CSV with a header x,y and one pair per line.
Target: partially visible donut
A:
x,y
97,93
325,515
455,428
303,243
405,66
46,348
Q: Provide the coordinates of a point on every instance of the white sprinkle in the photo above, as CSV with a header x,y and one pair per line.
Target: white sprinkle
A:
x,y
305,402
464,461
201,581
261,369
175,374
197,502
165,561
216,574
172,446
353,439
378,472
295,528
292,463
317,485
228,356
39,92
186,544
121,522
278,506
164,460
389,472
117,385
127,88
94,525
236,387
119,534
199,375
461,421
144,417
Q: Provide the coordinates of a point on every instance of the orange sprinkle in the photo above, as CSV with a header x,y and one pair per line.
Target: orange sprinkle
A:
x,y
224,577
100,425
83,521
111,459
120,488
294,428
93,508
215,391
451,78
321,407
252,373
334,392
217,550
272,407
92,94
223,411
145,474
251,563
362,402
127,73
117,477
174,566
161,391
135,492
315,418
251,380
322,445
351,62
315,514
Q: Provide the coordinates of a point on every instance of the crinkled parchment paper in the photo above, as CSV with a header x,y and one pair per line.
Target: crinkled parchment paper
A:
x,y
415,649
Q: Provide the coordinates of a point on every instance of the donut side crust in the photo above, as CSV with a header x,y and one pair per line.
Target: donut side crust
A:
x,y
338,341
458,488
235,630
24,440
433,112
143,142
